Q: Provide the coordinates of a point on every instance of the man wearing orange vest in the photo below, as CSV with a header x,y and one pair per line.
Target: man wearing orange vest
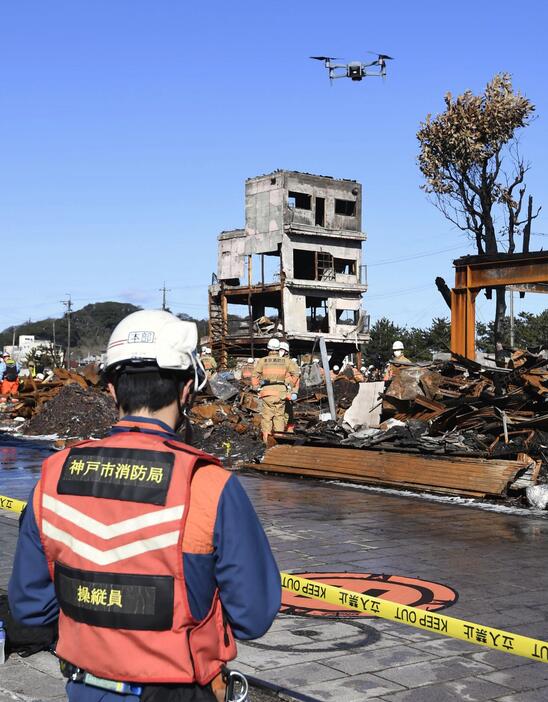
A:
x,y
147,550
275,378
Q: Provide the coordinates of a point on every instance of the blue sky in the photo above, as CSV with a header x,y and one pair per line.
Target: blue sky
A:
x,y
128,127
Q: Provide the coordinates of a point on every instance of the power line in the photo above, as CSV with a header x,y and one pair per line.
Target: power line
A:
x,y
424,254
395,293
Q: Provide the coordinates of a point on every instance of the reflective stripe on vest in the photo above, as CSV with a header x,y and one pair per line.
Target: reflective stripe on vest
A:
x,y
111,518
275,369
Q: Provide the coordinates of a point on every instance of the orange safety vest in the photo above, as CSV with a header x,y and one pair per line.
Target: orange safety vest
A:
x,y
247,372
111,516
208,362
272,370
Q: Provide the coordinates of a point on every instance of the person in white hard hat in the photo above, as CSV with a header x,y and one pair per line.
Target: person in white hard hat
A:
x,y
274,377
334,372
397,360
208,361
147,551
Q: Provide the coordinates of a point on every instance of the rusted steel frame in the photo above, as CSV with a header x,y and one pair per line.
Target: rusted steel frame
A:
x,y
471,277
463,315
504,272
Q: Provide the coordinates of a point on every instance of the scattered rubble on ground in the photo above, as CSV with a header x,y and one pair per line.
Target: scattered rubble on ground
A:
x,y
228,429
457,409
478,431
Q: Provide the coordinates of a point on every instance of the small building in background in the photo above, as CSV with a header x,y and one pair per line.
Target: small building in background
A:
x,y
28,344
295,270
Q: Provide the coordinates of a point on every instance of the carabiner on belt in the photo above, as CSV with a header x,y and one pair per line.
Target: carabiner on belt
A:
x,y
236,686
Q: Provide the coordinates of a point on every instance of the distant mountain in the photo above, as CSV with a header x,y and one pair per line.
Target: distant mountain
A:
x,y
90,329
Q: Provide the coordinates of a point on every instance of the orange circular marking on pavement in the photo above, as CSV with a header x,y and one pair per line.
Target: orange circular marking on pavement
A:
x,y
414,592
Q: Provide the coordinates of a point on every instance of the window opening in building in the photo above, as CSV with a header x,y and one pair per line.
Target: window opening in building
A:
x,y
346,266
345,207
320,212
313,265
348,317
273,181
317,319
325,269
304,264
299,201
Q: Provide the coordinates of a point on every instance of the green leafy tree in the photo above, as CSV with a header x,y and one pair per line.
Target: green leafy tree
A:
x,y
44,356
382,335
438,335
530,332
472,167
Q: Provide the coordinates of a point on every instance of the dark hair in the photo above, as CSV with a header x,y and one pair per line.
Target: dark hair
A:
x,y
151,389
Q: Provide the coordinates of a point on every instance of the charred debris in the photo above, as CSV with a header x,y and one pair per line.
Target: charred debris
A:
x,y
452,427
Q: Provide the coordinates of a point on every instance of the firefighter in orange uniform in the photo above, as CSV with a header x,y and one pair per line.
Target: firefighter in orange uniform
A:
x,y
247,371
293,389
147,550
208,361
274,377
399,359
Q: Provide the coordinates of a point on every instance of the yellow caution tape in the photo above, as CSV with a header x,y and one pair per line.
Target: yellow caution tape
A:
x,y
11,504
478,634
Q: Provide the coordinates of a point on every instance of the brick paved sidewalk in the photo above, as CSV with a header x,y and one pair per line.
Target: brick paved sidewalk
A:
x,y
496,562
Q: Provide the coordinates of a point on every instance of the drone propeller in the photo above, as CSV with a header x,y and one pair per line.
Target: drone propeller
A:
x,y
381,57
325,58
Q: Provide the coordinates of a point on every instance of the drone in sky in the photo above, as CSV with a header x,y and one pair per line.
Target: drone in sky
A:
x,y
355,70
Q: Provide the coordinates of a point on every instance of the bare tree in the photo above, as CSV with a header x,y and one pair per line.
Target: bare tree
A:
x,y
470,159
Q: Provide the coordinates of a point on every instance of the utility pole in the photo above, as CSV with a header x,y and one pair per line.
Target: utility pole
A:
x,y
164,290
68,305
511,318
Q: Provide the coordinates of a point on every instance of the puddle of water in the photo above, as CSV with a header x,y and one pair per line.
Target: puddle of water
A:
x,y
20,463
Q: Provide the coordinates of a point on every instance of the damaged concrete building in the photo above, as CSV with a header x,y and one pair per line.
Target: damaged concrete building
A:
x,y
295,270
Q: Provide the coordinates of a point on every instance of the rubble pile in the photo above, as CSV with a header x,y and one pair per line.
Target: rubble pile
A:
x,y
456,408
74,412
64,403
34,394
230,429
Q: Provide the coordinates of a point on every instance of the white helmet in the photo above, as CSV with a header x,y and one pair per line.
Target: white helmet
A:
x,y
284,346
155,338
397,346
273,344
363,368
316,360
336,368
250,360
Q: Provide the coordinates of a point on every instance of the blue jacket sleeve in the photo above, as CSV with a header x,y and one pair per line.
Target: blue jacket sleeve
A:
x,y
245,569
30,591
